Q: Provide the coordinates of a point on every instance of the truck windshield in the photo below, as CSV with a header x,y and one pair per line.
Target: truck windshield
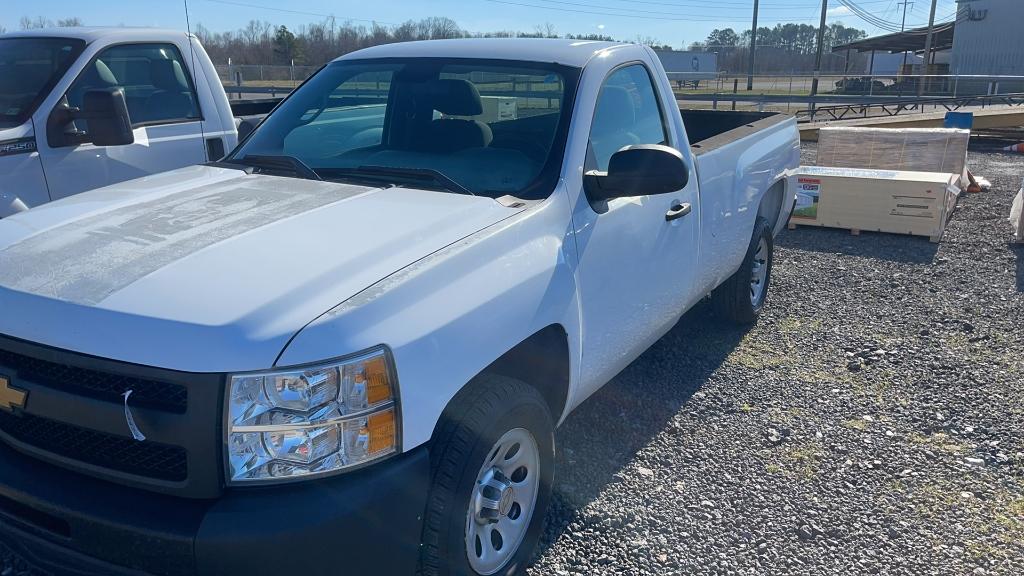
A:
x,y
488,127
29,68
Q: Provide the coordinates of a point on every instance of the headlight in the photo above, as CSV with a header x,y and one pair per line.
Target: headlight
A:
x,y
313,420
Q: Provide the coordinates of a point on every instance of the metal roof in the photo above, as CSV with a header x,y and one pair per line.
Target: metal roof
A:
x,y
909,41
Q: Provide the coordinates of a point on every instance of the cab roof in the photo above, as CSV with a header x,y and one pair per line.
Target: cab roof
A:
x,y
575,53
109,34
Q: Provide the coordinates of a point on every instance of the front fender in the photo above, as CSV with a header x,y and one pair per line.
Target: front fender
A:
x,y
22,183
453,313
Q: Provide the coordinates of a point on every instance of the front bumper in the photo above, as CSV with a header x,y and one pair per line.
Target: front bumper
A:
x,y
57,522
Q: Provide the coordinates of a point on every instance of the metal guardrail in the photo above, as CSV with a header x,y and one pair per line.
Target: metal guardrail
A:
x,y
896,107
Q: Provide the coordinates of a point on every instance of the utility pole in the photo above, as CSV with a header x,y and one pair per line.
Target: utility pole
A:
x,y
903,28
753,50
821,48
927,49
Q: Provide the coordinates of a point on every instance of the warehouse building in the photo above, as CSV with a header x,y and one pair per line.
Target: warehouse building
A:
x,y
989,40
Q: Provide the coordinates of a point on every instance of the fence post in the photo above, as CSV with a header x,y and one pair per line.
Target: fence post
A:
x,y
238,82
735,88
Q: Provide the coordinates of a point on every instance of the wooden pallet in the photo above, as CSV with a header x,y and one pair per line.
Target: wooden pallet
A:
x,y
855,231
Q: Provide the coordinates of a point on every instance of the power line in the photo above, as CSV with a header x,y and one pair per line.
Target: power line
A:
x,y
634,10
297,12
635,16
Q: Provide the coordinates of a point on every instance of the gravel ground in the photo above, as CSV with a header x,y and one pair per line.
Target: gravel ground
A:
x,y
872,422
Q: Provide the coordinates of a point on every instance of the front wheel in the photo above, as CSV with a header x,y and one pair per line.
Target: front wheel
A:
x,y
741,298
491,467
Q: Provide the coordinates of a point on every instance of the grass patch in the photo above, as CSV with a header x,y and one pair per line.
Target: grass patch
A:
x,y
756,354
856,424
802,461
939,441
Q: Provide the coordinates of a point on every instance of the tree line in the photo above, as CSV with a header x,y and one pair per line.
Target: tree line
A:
x,y
782,48
261,42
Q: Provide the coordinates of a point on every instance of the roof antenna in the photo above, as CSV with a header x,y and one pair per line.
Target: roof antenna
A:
x,y
195,75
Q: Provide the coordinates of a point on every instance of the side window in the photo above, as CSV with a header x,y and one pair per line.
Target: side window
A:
x,y
627,113
155,80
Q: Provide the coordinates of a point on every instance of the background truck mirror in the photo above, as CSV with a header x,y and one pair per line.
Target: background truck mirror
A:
x,y
638,170
106,116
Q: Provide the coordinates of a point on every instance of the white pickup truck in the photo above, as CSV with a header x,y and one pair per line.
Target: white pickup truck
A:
x,y
345,348
82,108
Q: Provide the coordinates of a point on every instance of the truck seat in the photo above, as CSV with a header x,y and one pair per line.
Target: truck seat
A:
x,y
455,97
173,97
96,76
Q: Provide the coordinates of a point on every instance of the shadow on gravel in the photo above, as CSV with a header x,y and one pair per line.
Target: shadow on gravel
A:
x,y
879,245
604,434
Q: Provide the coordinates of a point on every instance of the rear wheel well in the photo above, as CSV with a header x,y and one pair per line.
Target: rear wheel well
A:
x,y
771,204
542,361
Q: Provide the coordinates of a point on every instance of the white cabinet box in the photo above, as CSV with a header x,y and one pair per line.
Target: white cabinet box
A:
x,y
901,202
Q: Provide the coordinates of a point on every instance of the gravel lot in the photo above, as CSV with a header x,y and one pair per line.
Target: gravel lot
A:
x,y
872,422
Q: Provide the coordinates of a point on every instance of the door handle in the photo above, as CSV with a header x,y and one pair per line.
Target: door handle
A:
x,y
677,211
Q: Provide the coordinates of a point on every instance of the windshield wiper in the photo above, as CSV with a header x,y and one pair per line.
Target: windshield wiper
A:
x,y
436,176
279,162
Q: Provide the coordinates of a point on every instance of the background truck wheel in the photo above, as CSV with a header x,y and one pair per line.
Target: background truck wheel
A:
x,y
491,466
742,296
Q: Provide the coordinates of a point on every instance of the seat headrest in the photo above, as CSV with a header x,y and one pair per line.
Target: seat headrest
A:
x,y
168,75
99,75
455,97
615,112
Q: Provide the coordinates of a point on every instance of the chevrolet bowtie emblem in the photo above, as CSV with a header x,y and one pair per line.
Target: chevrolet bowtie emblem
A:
x,y
10,397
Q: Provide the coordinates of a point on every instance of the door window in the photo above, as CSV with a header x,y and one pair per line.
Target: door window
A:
x,y
627,113
155,80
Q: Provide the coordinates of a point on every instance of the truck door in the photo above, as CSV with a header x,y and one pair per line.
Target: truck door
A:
x,y
164,109
637,267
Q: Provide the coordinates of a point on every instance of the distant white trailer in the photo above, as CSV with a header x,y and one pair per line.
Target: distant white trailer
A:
x,y
689,67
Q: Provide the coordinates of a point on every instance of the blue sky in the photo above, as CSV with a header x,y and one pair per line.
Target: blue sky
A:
x,y
675,22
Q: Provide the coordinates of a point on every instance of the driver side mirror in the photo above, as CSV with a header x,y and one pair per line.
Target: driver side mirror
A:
x,y
106,117
638,170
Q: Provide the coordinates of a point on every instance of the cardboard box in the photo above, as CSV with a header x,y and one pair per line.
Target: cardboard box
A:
x,y
896,201
915,149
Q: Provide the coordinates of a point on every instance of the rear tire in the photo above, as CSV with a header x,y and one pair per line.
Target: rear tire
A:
x,y
492,463
741,298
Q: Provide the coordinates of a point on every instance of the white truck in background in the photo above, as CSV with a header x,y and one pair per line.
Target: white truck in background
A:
x,y
82,108
344,348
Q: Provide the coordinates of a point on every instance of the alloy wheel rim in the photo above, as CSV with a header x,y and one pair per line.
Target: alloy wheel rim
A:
x,y
503,501
759,273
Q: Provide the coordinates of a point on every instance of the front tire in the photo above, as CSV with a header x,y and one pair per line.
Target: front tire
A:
x,y
492,463
741,298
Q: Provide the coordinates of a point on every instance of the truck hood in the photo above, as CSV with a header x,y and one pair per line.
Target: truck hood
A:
x,y
206,269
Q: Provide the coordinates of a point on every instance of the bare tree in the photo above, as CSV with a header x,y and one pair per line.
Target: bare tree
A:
x,y
547,30
72,22
27,23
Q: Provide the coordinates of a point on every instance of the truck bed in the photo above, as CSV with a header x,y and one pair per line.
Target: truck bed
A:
x,y
710,129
